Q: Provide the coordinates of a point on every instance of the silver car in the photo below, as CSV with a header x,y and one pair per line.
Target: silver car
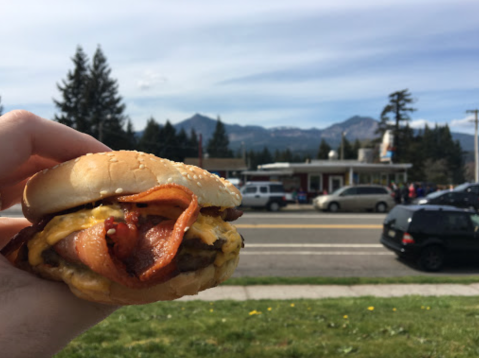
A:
x,y
356,198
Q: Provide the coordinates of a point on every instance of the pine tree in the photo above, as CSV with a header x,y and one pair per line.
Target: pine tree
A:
x,y
323,150
104,104
72,105
218,145
169,145
149,142
399,107
193,145
130,139
348,150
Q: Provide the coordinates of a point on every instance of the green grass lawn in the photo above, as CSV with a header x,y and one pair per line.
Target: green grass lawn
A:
x,y
422,327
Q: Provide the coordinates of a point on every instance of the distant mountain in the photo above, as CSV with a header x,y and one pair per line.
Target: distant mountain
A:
x,y
296,139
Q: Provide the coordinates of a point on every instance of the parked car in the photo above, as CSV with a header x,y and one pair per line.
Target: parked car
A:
x,y
460,199
269,195
431,234
468,188
356,198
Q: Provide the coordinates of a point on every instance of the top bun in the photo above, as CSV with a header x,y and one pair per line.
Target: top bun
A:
x,y
94,177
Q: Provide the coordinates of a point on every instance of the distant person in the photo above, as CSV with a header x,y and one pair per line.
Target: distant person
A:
x,y
397,194
302,196
419,191
405,194
412,191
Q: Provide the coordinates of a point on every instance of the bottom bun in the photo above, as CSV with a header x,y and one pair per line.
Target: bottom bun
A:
x,y
98,289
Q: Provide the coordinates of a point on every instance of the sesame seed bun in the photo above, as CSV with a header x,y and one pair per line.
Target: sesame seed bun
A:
x,y
94,177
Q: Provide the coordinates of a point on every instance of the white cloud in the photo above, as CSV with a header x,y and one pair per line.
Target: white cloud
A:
x,y
467,122
421,123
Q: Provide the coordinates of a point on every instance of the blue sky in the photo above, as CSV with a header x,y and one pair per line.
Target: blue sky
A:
x,y
273,63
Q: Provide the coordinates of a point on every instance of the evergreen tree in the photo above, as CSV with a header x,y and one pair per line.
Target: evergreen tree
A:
x,y
72,105
1,107
348,150
149,142
130,139
399,108
182,141
193,144
323,150
218,145
169,146
265,157
104,104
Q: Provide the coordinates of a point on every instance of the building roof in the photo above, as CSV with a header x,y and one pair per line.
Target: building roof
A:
x,y
331,166
217,164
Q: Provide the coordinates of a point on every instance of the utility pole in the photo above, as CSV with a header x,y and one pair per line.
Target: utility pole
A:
x,y
476,146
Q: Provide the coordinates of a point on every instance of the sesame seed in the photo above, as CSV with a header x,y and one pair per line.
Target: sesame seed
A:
x,y
187,228
55,167
113,160
77,159
111,154
198,183
44,171
188,176
142,166
170,180
111,231
195,177
103,192
201,176
119,191
87,154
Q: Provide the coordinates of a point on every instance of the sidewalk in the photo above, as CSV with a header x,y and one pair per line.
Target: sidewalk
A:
x,y
286,292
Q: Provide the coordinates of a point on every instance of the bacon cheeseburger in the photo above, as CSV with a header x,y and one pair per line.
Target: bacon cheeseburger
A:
x,y
129,228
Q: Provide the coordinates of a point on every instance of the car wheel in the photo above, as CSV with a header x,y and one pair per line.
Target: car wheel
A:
x,y
432,258
273,206
333,207
381,207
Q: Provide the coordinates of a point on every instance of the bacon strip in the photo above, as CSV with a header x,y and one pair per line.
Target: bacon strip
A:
x,y
151,260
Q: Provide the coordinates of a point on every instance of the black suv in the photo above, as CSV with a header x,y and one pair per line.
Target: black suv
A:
x,y
468,188
431,234
460,199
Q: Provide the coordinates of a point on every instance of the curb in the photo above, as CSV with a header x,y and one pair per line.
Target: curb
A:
x,y
287,292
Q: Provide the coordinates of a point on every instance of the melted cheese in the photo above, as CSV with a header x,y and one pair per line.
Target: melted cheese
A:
x,y
207,228
211,228
62,226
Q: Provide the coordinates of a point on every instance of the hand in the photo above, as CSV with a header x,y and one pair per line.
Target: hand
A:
x,y
37,317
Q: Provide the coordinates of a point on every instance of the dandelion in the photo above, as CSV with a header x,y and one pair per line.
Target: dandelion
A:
x,y
428,308
269,308
254,312
422,307
292,304
211,303
211,310
371,308
394,309
345,316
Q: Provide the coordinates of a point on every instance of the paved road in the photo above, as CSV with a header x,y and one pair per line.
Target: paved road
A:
x,y
320,244
308,243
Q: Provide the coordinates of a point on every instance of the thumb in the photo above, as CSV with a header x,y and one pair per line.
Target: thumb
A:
x,y
9,227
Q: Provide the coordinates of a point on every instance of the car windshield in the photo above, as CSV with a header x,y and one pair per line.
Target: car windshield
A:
x,y
338,191
461,187
436,194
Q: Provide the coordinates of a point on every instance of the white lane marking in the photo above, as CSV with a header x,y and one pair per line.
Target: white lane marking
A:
x,y
314,245
312,216
323,253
